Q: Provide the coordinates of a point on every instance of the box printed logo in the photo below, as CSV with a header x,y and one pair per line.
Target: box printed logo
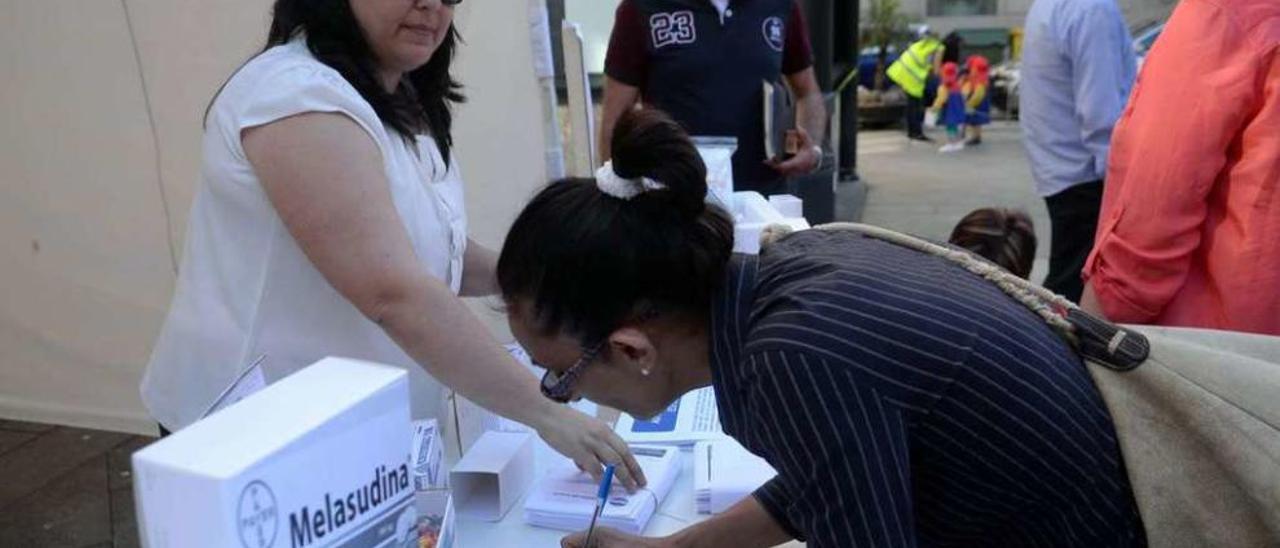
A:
x,y
257,516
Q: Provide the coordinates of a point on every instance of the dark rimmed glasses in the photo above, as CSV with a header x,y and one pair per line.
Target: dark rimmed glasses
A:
x,y
558,387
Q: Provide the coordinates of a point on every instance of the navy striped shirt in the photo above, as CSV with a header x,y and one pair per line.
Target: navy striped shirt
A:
x,y
907,402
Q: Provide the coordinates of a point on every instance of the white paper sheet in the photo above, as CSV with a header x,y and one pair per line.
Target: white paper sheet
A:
x,y
565,497
251,380
690,419
725,473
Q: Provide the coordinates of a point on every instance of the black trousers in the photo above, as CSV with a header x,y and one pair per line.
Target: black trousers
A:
x,y
1073,214
915,116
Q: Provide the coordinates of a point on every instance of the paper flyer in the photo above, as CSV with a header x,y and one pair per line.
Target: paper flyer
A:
x,y
690,419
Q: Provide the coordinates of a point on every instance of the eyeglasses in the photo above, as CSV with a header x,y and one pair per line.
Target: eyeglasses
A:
x,y
450,2
558,387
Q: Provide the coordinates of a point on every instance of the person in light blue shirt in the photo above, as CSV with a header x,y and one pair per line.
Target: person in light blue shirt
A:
x,y
1078,67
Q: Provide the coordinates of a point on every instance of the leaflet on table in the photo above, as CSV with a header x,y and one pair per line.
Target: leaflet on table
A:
x,y
690,419
565,498
250,380
725,473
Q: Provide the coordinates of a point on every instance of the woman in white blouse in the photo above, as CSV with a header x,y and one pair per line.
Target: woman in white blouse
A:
x,y
329,221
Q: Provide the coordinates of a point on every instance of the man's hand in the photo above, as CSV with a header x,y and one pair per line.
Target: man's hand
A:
x,y
605,537
804,162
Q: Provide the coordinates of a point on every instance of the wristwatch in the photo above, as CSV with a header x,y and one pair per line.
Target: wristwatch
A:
x,y
817,151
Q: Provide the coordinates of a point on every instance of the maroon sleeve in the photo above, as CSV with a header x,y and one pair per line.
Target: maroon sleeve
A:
x,y
627,60
797,54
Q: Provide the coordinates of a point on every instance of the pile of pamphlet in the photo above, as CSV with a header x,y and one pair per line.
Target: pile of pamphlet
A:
x,y
690,419
565,498
725,473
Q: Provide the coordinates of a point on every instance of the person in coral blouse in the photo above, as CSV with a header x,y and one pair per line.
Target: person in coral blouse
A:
x,y
1190,225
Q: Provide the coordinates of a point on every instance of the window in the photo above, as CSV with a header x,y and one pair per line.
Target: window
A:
x,y
950,8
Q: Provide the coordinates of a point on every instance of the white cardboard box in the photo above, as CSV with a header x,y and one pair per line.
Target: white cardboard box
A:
x,y
752,213
493,475
318,459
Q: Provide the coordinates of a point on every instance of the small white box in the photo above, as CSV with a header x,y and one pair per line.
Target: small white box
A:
x,y
320,458
752,214
493,475
787,205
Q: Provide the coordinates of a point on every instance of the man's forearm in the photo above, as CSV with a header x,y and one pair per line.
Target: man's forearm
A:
x,y
811,115
745,525
618,98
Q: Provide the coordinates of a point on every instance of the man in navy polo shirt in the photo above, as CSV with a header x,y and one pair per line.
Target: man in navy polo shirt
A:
x,y
704,62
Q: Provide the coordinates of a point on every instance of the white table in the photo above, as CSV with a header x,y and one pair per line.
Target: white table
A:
x,y
676,512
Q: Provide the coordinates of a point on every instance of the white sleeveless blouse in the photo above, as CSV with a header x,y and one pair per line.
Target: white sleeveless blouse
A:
x,y
245,290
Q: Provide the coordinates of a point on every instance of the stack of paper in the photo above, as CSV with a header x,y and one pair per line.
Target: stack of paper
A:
x,y
690,419
725,473
566,497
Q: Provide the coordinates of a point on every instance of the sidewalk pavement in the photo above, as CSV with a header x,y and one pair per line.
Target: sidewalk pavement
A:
x,y
913,188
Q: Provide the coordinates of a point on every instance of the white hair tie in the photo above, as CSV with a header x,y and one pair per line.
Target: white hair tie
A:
x,y
625,189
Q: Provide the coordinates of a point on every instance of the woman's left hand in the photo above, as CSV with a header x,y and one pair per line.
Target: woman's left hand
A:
x,y
590,443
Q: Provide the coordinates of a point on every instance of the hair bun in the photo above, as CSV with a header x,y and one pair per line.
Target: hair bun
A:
x,y
648,143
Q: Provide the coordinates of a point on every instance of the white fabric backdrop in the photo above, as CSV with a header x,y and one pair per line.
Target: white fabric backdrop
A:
x,y
100,120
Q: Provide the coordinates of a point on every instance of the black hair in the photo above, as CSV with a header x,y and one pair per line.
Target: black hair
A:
x,y
1006,237
422,103
954,43
583,262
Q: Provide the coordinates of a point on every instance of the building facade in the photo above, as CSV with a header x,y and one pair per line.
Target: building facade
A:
x,y
947,15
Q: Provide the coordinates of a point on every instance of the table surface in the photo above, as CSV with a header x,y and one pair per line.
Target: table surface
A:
x,y
676,512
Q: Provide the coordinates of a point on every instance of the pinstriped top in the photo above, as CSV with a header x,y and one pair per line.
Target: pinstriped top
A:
x,y
906,402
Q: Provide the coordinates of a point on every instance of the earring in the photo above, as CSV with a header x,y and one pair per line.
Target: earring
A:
x,y
644,372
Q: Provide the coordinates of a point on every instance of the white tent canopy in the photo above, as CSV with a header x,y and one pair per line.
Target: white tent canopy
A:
x,y
100,124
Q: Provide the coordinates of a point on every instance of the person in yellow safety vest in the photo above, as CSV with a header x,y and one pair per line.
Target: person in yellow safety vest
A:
x,y
911,72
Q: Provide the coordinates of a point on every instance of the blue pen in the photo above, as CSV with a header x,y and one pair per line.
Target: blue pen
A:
x,y
602,498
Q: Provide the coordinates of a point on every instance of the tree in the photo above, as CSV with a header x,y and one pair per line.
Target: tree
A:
x,y
885,22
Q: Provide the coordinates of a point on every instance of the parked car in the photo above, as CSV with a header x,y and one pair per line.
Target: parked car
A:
x,y
886,105
1144,37
1005,78
869,60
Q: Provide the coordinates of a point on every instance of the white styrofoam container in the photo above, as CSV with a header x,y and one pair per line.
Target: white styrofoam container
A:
x,y
320,458
751,214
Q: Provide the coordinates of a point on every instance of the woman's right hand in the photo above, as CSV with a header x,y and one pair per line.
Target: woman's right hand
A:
x,y
605,537
590,443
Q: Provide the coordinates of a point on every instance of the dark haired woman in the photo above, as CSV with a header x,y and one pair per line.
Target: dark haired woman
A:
x,y
329,221
1006,237
903,401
